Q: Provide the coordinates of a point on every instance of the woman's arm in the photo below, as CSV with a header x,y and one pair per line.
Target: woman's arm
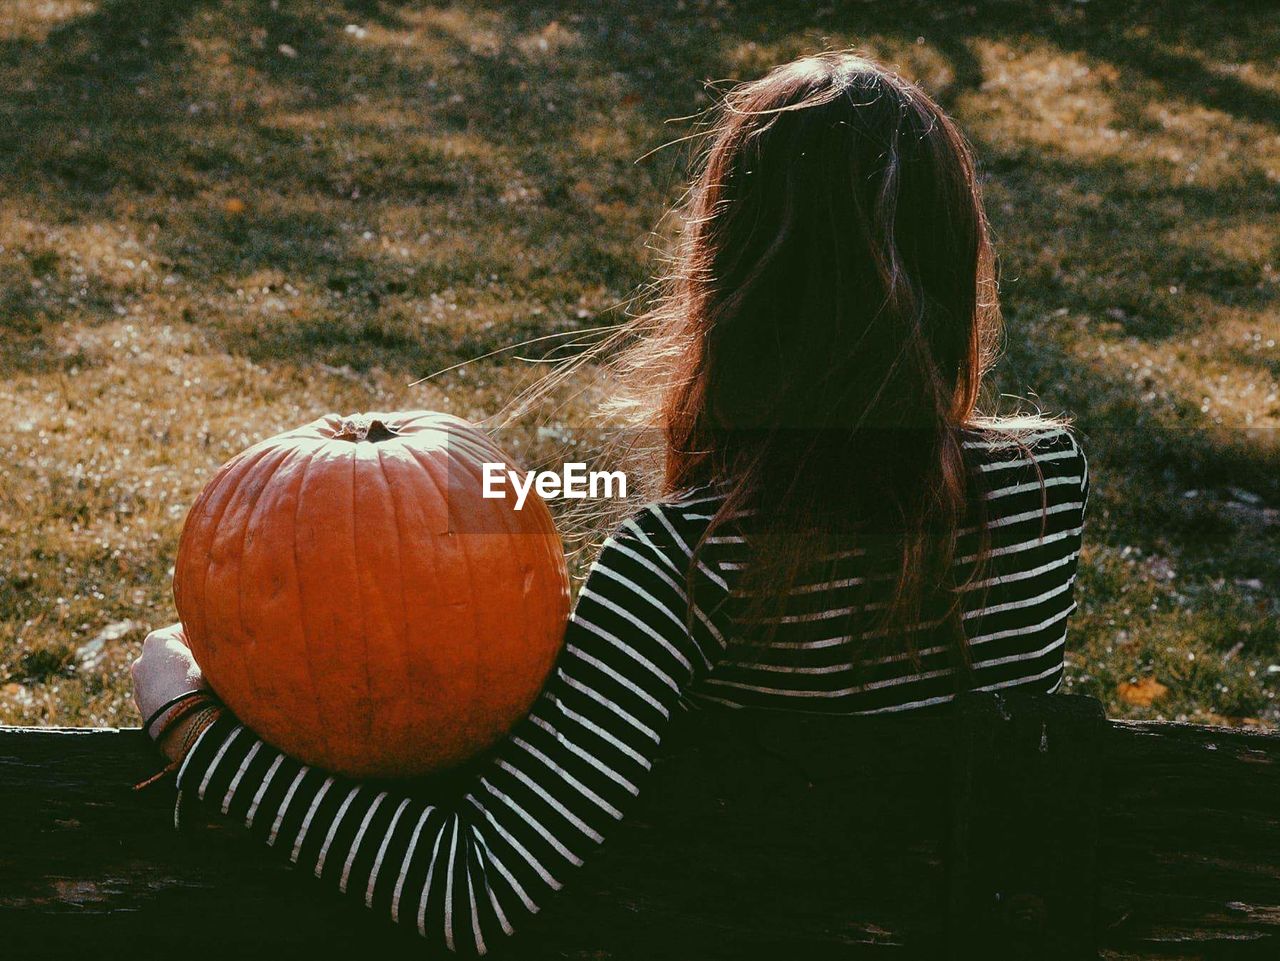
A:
x,y
465,870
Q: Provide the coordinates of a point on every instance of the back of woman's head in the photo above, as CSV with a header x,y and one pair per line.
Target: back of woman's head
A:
x,y
834,272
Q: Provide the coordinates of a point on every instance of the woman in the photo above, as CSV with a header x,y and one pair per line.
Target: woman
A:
x,y
841,532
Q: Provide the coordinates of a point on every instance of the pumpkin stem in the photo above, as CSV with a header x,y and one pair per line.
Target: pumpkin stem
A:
x,y
360,427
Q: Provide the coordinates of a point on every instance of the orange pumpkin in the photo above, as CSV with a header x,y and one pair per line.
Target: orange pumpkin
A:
x,y
354,599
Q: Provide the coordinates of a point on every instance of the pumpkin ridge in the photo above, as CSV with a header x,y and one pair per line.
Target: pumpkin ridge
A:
x,y
314,699
425,466
358,600
249,526
215,486
395,511
476,625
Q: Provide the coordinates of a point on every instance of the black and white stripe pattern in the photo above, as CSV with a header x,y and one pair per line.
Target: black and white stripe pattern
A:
x,y
463,869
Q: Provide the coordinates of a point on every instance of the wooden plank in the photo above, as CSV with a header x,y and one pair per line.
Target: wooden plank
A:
x,y
87,860
759,836
1189,861
721,858
1025,795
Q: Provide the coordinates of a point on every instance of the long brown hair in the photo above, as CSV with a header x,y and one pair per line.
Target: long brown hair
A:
x,y
826,329
821,340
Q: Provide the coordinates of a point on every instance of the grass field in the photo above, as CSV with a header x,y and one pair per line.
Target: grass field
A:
x,y
220,218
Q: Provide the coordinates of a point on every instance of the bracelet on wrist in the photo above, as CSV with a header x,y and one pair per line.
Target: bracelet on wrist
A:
x,y
172,702
199,725
177,714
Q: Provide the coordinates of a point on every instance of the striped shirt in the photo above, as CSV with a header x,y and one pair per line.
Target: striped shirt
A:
x,y
463,869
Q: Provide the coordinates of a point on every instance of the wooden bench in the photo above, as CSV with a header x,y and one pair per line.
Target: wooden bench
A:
x,y
1018,827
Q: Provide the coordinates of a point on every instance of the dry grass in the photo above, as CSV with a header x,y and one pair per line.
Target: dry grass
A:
x,y
221,218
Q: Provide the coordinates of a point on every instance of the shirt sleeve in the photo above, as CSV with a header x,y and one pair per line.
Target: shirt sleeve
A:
x,y
464,871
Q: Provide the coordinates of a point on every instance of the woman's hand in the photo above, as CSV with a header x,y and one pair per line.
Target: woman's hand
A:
x,y
166,670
